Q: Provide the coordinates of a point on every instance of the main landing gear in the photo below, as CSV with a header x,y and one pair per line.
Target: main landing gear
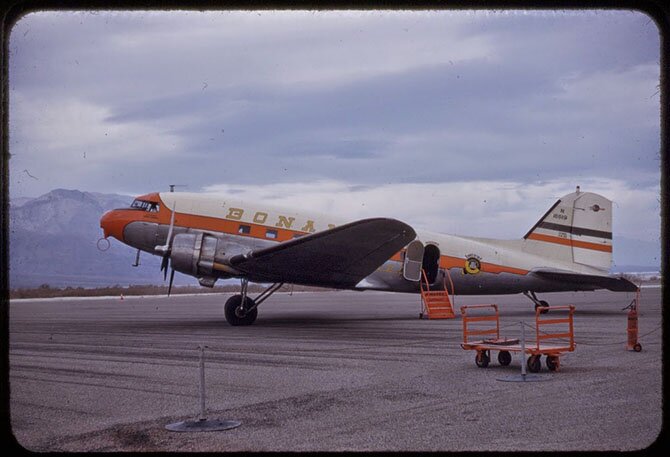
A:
x,y
242,310
538,303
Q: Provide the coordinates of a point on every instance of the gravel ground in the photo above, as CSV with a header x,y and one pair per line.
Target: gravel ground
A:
x,y
325,371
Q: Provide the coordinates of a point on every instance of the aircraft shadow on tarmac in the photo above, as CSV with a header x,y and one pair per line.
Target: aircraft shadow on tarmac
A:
x,y
306,320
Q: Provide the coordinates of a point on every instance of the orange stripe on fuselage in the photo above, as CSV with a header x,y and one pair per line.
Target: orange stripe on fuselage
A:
x,y
458,262
216,224
567,242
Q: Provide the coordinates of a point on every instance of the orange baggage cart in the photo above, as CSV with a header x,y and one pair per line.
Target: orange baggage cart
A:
x,y
487,324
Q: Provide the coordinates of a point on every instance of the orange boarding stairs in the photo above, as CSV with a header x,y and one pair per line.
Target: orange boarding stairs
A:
x,y
435,303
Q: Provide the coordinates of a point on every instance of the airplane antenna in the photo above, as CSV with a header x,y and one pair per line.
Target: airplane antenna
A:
x,y
172,186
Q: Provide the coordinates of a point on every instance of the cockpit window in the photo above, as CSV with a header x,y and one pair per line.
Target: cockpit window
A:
x,y
145,206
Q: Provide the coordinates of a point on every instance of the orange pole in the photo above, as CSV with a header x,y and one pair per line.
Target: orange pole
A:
x,y
632,329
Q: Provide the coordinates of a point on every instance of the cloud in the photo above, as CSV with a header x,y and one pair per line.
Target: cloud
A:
x,y
532,131
619,93
231,48
71,138
69,127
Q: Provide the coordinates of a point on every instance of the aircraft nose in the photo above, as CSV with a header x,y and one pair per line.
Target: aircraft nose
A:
x,y
112,224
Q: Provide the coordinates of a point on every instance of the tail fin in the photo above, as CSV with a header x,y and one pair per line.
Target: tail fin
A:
x,y
577,229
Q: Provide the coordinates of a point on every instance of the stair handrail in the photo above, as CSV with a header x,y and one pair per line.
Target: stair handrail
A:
x,y
425,278
453,302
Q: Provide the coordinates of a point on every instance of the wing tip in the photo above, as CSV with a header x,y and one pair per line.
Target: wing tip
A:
x,y
388,223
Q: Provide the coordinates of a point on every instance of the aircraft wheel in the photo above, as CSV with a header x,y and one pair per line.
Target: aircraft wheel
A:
x,y
482,359
543,304
236,314
504,358
534,364
552,362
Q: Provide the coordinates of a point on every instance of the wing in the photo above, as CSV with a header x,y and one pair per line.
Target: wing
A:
x,y
617,284
339,257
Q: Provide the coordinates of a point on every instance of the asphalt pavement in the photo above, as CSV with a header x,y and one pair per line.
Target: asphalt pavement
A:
x,y
325,371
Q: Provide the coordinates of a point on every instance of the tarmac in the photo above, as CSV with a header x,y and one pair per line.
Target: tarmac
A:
x,y
326,371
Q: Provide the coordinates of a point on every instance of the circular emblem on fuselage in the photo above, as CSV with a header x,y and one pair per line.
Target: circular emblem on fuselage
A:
x,y
472,265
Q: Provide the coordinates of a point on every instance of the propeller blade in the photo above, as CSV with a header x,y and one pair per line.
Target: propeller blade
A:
x,y
165,249
137,259
164,266
169,237
171,279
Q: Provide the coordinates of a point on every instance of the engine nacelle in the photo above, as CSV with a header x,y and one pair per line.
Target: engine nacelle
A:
x,y
193,253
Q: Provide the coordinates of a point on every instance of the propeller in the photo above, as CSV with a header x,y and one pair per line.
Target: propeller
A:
x,y
166,250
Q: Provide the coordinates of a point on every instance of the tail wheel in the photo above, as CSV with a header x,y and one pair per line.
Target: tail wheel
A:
x,y
240,315
543,305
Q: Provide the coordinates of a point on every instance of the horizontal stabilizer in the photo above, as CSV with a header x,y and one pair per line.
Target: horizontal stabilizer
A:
x,y
617,284
339,257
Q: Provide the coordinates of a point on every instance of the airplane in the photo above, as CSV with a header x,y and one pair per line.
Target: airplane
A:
x,y
215,237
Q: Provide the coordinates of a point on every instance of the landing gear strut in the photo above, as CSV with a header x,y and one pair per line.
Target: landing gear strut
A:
x,y
538,303
242,310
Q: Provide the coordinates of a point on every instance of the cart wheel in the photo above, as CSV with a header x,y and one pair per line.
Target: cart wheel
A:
x,y
534,363
637,347
482,359
504,358
552,362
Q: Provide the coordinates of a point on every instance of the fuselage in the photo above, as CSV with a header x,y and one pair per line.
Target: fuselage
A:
x,y
466,265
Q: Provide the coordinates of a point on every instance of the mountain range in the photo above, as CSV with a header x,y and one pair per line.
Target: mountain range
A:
x,y
53,240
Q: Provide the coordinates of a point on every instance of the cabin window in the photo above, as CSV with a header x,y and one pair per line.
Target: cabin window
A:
x,y
143,205
244,229
272,234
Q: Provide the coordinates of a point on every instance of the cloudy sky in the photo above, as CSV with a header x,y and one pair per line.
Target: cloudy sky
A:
x,y
453,121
